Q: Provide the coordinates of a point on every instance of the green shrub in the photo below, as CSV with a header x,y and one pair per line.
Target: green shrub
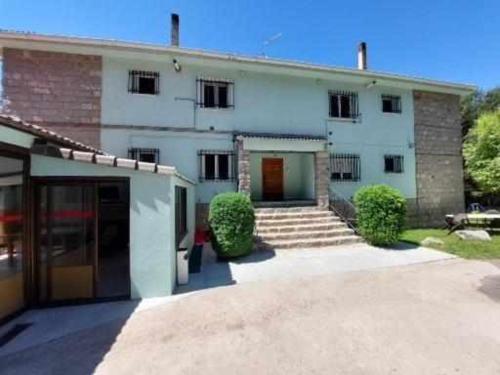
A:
x,y
380,213
231,218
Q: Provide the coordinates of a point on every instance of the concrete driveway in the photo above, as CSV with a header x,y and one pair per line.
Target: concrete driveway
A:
x,y
435,318
268,265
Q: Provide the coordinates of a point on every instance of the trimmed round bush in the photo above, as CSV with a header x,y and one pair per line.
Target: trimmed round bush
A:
x,y
380,214
231,218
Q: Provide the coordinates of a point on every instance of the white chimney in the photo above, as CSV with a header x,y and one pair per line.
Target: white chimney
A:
x,y
362,60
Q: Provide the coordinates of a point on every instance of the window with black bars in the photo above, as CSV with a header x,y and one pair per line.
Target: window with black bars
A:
x,y
391,104
345,167
393,164
149,155
344,105
180,214
143,82
213,93
216,165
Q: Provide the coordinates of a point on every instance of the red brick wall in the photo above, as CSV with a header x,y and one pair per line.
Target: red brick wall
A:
x,y
60,91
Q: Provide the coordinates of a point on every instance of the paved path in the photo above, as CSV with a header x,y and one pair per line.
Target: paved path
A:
x,y
433,318
289,264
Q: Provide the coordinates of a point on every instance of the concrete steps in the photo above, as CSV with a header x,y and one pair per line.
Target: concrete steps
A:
x,y
306,234
300,227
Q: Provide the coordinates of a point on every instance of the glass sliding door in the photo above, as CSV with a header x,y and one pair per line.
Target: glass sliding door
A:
x,y
67,233
82,240
11,236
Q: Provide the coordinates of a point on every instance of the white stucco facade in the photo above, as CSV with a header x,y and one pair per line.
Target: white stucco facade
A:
x,y
264,102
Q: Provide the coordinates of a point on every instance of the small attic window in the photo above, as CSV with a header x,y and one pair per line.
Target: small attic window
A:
x,y
391,104
142,82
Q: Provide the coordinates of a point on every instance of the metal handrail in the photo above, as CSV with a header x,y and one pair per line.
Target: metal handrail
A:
x,y
344,209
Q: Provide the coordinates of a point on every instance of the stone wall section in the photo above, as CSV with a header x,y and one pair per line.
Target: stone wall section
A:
x,y
243,167
439,166
60,91
322,179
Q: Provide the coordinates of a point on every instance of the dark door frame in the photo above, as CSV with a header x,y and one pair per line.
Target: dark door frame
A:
x,y
16,152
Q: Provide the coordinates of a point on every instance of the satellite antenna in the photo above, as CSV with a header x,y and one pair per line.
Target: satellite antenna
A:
x,y
270,41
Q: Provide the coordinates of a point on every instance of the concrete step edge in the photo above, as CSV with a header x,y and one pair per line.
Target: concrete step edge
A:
x,y
267,223
305,235
301,228
294,215
314,243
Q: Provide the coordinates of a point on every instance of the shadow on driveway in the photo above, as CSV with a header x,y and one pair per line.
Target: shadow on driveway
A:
x,y
217,272
490,285
89,333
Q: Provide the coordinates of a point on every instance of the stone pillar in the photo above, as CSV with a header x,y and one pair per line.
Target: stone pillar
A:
x,y
243,167
322,179
438,152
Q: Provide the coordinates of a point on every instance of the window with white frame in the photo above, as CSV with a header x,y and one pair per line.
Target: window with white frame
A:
x,y
345,167
142,82
343,105
215,93
391,104
216,165
393,163
149,155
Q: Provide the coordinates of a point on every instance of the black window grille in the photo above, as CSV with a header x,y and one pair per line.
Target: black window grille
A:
x,y
142,82
180,214
215,93
391,104
344,104
345,167
393,163
149,155
216,165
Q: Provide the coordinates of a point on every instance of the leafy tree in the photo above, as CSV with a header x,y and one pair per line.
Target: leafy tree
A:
x,y
482,152
477,103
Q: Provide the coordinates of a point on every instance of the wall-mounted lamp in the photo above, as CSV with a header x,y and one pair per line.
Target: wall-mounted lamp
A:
x,y
371,84
177,66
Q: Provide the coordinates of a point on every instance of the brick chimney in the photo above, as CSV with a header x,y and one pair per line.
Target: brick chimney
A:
x,y
174,30
362,60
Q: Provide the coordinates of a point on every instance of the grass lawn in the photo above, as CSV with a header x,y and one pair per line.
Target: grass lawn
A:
x,y
454,245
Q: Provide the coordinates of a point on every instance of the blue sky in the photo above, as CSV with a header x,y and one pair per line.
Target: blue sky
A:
x,y
454,40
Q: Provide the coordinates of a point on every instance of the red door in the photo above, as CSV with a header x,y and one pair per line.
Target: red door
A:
x,y
272,179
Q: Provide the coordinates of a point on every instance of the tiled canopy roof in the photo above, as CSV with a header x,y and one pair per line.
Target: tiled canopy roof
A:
x,y
36,130
113,161
305,137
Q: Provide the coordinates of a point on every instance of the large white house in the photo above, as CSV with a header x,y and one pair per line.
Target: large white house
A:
x,y
279,130
77,223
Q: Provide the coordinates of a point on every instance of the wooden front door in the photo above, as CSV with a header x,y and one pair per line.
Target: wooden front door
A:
x,y
272,179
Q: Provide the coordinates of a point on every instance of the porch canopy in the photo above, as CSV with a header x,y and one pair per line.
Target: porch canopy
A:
x,y
282,142
283,167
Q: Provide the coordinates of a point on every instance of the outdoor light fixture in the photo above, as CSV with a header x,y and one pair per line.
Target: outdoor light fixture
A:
x,y
371,84
177,66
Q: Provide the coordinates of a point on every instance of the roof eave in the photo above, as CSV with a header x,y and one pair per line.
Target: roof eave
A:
x,y
109,44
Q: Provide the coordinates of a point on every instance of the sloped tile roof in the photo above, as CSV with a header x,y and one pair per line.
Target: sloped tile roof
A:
x,y
78,151
49,135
